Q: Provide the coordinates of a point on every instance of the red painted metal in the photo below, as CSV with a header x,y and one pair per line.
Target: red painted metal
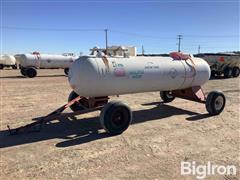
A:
x,y
94,104
193,94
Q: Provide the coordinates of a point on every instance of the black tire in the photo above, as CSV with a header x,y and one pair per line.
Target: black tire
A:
x,y
215,103
213,74
23,71
115,117
77,106
235,72
1,66
66,70
14,67
166,96
219,73
227,72
31,72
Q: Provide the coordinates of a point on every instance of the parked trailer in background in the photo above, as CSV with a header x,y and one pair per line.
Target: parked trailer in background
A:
x,y
222,63
8,61
31,62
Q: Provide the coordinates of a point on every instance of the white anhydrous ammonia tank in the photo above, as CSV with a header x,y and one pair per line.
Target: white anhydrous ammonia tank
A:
x,y
7,60
94,77
45,60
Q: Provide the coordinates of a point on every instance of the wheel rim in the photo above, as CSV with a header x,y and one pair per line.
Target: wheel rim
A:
x,y
229,73
31,74
119,118
219,103
169,95
237,72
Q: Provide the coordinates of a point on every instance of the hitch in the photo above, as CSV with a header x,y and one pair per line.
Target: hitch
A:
x,y
42,120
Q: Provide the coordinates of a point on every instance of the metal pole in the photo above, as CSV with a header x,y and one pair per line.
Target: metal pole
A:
x,y
179,43
106,40
199,47
142,50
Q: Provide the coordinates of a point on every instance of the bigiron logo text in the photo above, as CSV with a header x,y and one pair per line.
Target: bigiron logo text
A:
x,y
202,171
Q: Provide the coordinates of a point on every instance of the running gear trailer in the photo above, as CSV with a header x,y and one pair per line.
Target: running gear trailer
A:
x,y
115,116
104,77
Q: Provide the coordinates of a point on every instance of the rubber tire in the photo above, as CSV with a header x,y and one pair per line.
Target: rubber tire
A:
x,y
107,117
74,107
227,72
211,101
235,72
23,71
213,74
14,67
165,96
31,72
1,66
218,73
66,71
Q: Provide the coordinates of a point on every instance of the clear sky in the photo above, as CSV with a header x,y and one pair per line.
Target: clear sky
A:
x,y
213,24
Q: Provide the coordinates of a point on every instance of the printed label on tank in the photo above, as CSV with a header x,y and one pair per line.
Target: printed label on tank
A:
x,y
150,66
114,64
136,74
151,69
119,70
172,73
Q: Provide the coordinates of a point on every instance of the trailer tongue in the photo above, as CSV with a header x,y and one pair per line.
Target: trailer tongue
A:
x,y
58,113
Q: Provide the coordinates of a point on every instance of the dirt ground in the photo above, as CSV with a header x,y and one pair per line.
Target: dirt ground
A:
x,y
160,137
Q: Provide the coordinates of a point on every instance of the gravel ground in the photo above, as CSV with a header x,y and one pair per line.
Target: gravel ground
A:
x,y
160,137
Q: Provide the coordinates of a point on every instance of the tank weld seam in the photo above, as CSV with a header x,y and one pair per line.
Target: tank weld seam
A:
x,y
185,72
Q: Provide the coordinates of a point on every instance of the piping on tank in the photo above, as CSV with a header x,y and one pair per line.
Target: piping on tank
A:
x,y
93,77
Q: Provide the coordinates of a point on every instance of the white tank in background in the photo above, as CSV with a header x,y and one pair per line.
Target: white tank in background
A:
x,y
94,77
30,62
7,61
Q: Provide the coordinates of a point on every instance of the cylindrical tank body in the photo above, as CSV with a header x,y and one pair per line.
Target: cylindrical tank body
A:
x,y
93,77
7,60
45,60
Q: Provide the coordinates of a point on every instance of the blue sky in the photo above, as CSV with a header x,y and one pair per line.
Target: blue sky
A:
x,y
214,25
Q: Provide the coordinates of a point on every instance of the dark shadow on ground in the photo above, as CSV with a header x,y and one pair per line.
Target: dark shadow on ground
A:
x,y
12,77
220,78
38,76
217,78
75,132
198,117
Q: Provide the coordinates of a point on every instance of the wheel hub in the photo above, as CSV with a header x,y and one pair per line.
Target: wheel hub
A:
x,y
169,95
118,118
219,102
